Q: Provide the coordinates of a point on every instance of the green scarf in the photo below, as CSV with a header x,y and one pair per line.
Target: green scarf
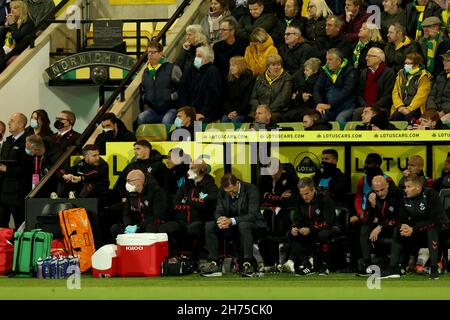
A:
x,y
419,29
357,52
334,75
431,51
446,22
152,70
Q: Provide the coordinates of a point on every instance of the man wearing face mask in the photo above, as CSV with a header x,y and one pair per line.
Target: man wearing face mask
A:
x,y
66,136
443,182
147,160
14,182
194,205
372,168
88,178
330,179
145,205
184,123
382,215
114,130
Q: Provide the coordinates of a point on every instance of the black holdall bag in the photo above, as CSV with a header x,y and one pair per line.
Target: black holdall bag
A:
x,y
177,266
48,221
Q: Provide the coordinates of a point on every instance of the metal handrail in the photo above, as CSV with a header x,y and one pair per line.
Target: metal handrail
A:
x,y
93,124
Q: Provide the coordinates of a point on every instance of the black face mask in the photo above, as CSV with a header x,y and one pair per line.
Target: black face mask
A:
x,y
58,124
327,169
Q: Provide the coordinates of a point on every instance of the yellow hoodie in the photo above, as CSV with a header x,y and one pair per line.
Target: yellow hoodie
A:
x,y
256,56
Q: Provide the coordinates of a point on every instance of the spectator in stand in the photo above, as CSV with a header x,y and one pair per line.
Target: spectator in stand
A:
x,y
445,17
86,179
3,10
415,169
439,98
368,112
263,119
218,9
114,130
398,46
334,91
240,84
443,182
330,179
39,9
159,87
354,19
313,121
39,124
369,37
294,50
145,205
376,83
291,17
18,29
392,13
66,136
303,87
195,38
336,39
148,161
416,12
429,120
273,88
257,17
201,86
184,125
229,46
238,8
15,183
433,44
411,90
318,11
381,122
260,47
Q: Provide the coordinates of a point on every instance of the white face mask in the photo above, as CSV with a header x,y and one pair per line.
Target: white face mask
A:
x,y
130,188
191,174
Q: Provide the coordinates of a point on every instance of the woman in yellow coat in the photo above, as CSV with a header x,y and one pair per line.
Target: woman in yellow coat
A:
x,y
411,90
260,47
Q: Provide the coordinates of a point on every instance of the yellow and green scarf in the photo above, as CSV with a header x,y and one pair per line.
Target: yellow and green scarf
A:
x,y
419,29
357,52
334,75
10,43
405,42
270,80
152,70
446,22
431,51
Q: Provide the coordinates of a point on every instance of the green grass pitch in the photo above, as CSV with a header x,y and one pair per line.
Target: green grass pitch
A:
x,y
230,286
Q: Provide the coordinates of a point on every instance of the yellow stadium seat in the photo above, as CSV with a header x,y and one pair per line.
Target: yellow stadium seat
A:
x,y
297,126
222,126
351,125
152,132
336,125
401,125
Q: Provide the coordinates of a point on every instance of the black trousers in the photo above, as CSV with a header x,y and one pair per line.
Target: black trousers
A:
x,y
413,243
18,213
245,232
367,246
315,244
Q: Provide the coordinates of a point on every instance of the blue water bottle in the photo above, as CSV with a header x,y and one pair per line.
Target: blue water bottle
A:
x,y
54,268
46,268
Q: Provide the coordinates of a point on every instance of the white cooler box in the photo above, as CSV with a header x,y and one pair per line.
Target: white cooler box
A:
x,y
141,254
104,262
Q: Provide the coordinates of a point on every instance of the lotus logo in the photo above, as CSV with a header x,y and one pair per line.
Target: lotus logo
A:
x,y
306,163
134,248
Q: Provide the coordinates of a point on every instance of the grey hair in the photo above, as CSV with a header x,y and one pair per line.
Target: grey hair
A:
x,y
208,54
306,182
35,140
379,53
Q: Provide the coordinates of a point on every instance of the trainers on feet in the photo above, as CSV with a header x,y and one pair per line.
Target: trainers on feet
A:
x,y
247,270
288,266
305,270
392,273
323,271
365,271
434,273
72,195
211,270
53,195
